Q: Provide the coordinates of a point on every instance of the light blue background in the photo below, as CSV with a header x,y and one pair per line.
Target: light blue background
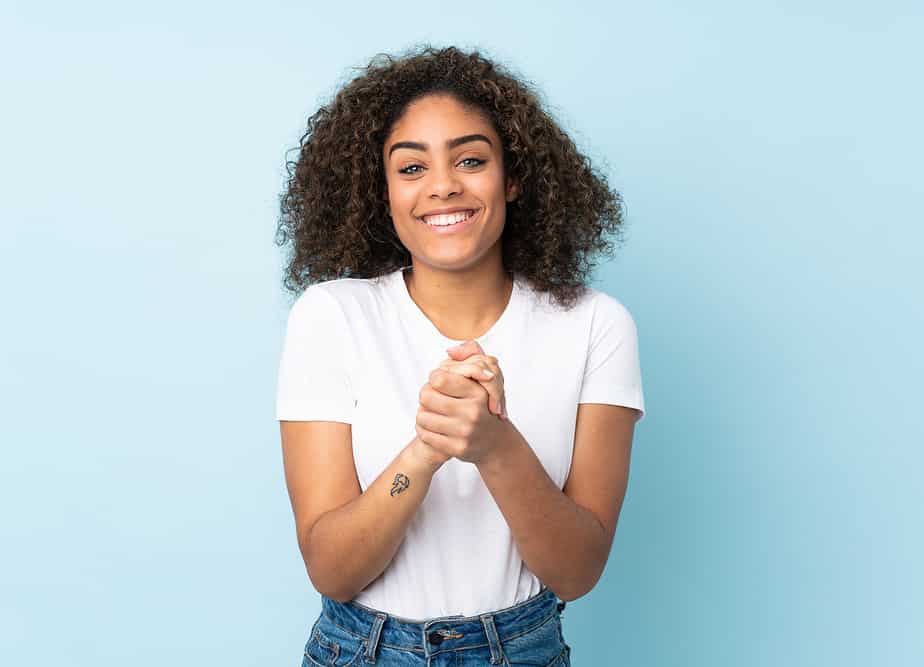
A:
x,y
770,158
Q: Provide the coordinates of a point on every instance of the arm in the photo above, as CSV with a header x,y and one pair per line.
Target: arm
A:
x,y
564,536
350,546
346,536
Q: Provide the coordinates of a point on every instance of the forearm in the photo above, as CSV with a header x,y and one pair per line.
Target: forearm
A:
x,y
348,547
561,542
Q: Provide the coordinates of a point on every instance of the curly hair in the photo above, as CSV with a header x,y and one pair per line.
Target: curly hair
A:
x,y
334,208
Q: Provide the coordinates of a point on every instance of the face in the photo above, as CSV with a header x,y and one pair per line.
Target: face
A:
x,y
441,155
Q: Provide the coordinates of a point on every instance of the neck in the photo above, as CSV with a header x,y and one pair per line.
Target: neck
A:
x,y
463,305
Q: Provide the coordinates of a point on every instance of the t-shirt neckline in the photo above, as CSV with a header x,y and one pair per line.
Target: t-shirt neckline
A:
x,y
428,328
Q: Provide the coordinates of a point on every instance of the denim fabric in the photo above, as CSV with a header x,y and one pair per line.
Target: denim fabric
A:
x,y
528,633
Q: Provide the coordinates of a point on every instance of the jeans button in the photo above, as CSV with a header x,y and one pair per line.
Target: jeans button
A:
x,y
435,638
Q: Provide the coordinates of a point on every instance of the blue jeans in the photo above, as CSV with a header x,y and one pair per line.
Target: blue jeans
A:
x,y
528,633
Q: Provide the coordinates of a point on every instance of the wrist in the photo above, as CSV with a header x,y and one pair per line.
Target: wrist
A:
x,y
421,456
498,460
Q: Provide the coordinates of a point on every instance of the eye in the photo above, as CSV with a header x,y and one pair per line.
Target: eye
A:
x,y
407,170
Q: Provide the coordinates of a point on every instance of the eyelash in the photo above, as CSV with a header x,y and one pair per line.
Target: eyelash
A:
x,y
409,173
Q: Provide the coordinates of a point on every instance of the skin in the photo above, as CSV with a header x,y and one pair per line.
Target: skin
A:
x,y
457,280
454,419
461,286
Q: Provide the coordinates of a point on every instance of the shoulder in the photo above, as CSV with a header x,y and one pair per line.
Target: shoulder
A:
x,y
606,311
336,295
317,312
601,311
314,305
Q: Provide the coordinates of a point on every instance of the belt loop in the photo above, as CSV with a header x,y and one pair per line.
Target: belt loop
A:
x,y
374,633
493,640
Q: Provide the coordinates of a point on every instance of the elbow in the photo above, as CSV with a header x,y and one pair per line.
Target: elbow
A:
x,y
575,591
316,574
322,582
334,594
327,588
578,590
342,595
584,581
343,599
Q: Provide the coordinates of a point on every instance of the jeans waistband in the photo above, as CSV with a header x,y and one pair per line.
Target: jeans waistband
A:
x,y
444,632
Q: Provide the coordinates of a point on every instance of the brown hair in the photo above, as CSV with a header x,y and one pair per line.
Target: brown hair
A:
x,y
334,213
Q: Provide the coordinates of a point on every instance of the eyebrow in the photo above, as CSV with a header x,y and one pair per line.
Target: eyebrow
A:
x,y
451,143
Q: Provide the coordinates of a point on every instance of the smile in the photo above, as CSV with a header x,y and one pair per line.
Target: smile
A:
x,y
453,222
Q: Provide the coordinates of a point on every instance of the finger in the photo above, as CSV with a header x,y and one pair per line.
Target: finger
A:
x,y
472,357
487,359
494,386
492,364
484,361
456,385
436,401
439,423
468,381
473,370
431,399
463,350
444,444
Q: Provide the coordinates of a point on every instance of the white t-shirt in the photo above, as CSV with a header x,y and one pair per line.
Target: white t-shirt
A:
x,y
359,350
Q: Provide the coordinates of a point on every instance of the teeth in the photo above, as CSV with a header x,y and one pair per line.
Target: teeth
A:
x,y
447,219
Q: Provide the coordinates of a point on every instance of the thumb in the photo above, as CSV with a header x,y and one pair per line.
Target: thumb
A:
x,y
464,350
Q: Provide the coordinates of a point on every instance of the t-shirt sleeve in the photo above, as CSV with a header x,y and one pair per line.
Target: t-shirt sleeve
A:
x,y
613,373
313,381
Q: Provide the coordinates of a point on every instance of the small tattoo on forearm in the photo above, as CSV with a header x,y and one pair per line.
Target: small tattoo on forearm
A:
x,y
400,484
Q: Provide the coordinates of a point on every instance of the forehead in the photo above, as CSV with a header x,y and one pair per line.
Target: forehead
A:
x,y
436,118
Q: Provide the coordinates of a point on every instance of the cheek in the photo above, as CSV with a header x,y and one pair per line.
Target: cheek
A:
x,y
403,201
398,189
490,187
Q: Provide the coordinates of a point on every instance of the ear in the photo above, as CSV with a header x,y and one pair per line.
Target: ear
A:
x,y
513,189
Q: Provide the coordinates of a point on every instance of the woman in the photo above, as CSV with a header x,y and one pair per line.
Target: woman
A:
x,y
442,226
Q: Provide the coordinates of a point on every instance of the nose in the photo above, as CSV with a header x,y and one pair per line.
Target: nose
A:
x,y
444,183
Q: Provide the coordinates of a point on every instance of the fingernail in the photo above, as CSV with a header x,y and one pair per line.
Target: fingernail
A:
x,y
487,373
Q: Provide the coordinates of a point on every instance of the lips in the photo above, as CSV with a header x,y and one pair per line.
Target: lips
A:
x,y
440,219
457,227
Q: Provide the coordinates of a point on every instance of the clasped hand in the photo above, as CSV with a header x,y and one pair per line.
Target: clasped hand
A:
x,y
454,419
